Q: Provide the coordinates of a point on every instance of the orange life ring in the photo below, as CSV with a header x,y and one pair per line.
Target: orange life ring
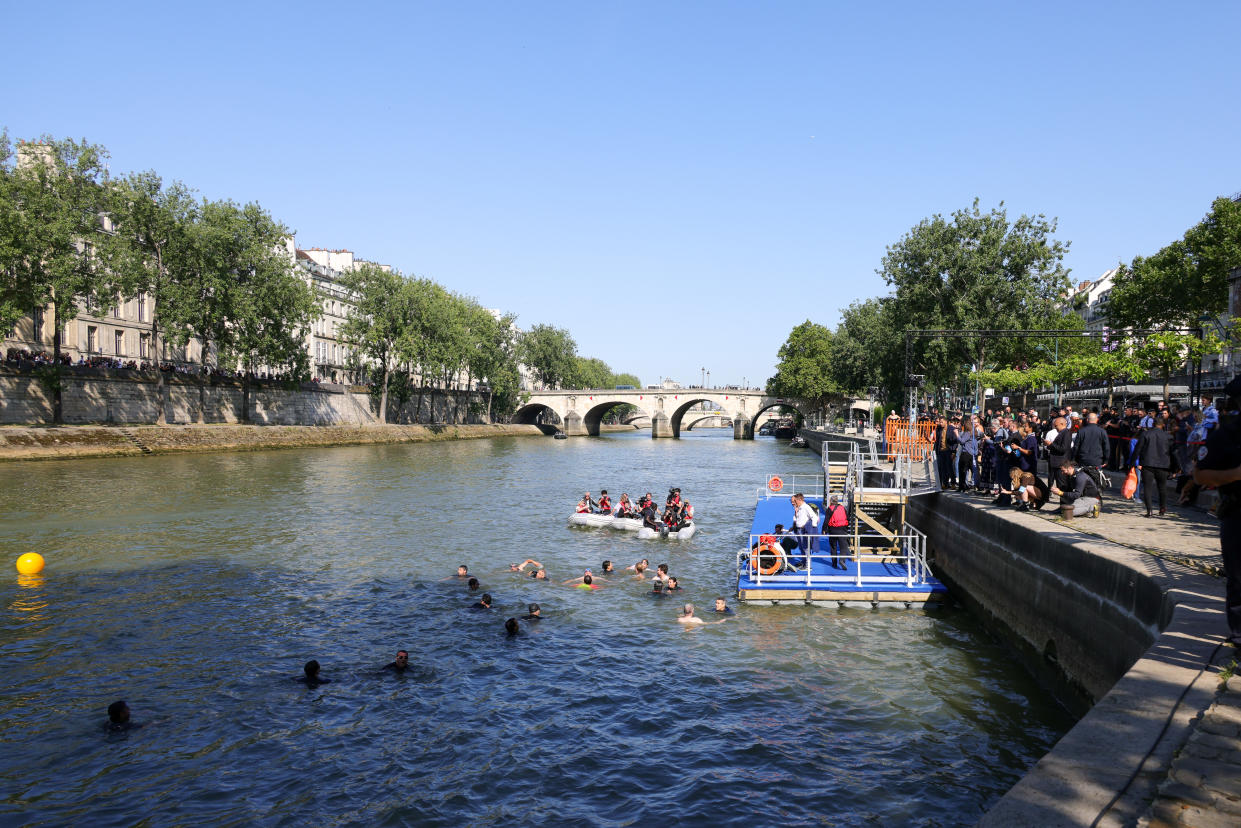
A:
x,y
775,483
767,544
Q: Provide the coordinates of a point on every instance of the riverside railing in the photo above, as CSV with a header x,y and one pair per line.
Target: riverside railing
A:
x,y
904,565
786,485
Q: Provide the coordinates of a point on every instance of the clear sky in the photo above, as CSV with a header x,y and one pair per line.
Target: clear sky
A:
x,y
678,184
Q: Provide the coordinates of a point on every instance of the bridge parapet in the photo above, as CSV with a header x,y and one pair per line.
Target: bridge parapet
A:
x,y
579,412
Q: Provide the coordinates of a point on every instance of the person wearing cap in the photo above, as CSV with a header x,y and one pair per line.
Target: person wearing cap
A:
x,y
1219,465
837,523
535,614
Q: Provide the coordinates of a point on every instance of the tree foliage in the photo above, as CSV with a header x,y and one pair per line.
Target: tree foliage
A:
x,y
804,369
551,354
973,271
1184,280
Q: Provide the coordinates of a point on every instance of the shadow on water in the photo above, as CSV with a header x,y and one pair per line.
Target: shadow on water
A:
x,y
199,602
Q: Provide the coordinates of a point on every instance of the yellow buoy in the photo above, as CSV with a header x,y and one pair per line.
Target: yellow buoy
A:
x,y
30,564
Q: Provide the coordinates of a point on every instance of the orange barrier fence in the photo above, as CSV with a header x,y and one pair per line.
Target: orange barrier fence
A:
x,y
917,444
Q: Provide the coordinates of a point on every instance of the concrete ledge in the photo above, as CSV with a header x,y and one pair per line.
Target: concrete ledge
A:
x,y
31,443
1127,631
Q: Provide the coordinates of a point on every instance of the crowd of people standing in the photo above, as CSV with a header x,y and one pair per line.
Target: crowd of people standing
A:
x,y
998,453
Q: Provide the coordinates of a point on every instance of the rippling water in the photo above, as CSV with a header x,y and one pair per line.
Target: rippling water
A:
x,y
195,587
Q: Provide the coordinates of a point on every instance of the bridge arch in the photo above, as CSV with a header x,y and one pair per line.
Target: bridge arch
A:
x,y
595,414
682,410
537,414
801,415
705,415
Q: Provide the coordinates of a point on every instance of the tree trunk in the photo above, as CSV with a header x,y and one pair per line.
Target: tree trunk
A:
x,y
1166,378
161,384
58,407
245,396
202,388
383,396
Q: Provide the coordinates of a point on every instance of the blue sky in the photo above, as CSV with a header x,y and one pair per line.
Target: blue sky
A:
x,y
678,184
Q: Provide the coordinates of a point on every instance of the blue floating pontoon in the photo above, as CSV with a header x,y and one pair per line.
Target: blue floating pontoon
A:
x,y
886,563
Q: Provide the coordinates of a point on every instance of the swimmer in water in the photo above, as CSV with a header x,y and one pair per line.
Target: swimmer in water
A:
x,y
585,574
687,617
312,677
661,572
672,586
118,717
589,583
484,603
535,614
639,567
472,585
538,574
722,607
521,567
657,588
463,572
398,664
607,567
511,627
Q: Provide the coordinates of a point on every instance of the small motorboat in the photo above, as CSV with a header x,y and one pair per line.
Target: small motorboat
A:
x,y
560,435
626,524
798,442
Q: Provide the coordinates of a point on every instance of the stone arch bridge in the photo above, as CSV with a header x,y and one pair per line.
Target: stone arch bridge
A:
x,y
581,411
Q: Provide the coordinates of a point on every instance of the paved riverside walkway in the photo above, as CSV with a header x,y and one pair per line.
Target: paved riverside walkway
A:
x,y
1199,784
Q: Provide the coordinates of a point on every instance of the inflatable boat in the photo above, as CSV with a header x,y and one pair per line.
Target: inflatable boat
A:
x,y
685,533
591,520
626,524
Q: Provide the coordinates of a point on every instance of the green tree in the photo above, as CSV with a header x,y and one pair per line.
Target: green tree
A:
x,y
551,354
270,308
1167,352
868,349
805,363
52,206
626,379
591,372
377,322
974,271
1183,281
150,249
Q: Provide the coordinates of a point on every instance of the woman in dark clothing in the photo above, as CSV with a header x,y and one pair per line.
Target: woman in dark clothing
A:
x,y
1154,458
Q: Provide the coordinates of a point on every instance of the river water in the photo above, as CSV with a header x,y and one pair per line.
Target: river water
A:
x,y
196,586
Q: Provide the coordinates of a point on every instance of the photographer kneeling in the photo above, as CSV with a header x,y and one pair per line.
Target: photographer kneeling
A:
x,y
1084,495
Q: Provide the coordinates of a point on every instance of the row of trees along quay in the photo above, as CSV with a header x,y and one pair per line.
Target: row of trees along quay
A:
x,y
981,300
73,237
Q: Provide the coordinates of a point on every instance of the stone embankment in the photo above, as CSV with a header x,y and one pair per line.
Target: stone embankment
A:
x,y
38,443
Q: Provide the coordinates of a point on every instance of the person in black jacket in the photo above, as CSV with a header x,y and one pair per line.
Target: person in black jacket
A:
x,y
1154,458
1059,451
1090,449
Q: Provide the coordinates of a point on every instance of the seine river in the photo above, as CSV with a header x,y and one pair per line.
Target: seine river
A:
x,y
195,587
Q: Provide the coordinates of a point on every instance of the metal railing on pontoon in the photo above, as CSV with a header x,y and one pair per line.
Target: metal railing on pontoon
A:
x,y
905,564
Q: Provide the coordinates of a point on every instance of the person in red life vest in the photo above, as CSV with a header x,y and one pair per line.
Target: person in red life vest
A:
x,y
837,532
687,513
624,508
672,517
605,503
586,504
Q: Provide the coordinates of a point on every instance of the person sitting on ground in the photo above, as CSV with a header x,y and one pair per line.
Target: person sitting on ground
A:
x,y
586,505
312,677
398,664
721,606
687,617
484,603
1084,496
535,613
1032,492
605,503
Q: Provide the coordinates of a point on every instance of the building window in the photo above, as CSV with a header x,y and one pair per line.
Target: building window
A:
x,y
144,346
142,308
92,339
37,316
120,343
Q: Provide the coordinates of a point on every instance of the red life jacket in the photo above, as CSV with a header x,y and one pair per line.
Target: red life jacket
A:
x,y
838,516
605,504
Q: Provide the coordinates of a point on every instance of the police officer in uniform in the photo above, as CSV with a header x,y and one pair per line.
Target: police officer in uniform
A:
x,y
1219,465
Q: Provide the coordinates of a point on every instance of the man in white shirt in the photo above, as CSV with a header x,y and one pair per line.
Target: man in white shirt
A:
x,y
804,524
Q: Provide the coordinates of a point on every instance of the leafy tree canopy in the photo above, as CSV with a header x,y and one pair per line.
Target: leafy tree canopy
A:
x,y
805,363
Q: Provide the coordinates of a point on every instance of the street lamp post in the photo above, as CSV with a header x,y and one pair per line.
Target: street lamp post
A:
x,y
708,377
702,378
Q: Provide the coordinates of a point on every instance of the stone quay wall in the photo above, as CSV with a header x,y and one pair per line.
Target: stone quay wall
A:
x,y
124,397
1128,639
